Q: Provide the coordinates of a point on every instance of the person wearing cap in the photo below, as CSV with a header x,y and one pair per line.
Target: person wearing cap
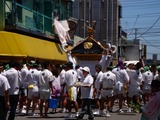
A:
x,y
70,79
97,93
14,80
107,87
146,84
4,97
33,89
122,80
86,94
6,67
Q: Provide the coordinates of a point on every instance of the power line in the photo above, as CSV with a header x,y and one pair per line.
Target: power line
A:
x,y
156,46
149,27
148,12
134,25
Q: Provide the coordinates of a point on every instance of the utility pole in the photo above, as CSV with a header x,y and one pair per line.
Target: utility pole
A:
x,y
139,44
135,33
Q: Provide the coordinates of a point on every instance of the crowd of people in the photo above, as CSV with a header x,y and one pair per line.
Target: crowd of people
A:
x,y
33,84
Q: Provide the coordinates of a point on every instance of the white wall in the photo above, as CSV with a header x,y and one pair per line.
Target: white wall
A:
x,y
132,53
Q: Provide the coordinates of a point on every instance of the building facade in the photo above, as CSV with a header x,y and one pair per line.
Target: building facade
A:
x,y
106,13
26,29
134,50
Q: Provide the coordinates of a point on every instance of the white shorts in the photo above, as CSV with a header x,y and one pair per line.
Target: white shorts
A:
x,y
133,90
107,93
117,92
32,94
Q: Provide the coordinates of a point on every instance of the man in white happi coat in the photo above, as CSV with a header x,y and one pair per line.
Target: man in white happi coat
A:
x,y
135,82
122,80
70,79
23,89
14,80
97,93
45,88
107,91
86,94
33,88
4,96
146,84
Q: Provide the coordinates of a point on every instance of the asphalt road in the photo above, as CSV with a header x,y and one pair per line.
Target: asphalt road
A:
x,y
62,116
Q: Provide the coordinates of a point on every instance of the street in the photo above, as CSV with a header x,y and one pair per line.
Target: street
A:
x,y
61,116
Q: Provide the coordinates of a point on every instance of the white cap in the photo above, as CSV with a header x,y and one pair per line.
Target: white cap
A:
x,y
86,69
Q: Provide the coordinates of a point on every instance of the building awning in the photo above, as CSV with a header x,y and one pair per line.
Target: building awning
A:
x,y
17,45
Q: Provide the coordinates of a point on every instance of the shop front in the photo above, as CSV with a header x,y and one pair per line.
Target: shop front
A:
x,y
14,46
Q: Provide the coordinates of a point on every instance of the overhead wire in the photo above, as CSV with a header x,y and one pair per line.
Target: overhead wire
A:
x,y
134,25
157,46
137,19
149,27
146,30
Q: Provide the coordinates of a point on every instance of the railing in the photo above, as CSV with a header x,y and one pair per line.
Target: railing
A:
x,y
29,19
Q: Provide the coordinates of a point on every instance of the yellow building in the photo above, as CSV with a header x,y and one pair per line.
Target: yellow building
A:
x,y
26,29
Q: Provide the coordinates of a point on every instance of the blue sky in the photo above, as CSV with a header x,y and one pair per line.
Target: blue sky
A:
x,y
144,15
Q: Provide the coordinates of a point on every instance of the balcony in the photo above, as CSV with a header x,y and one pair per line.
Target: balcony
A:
x,y
20,18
